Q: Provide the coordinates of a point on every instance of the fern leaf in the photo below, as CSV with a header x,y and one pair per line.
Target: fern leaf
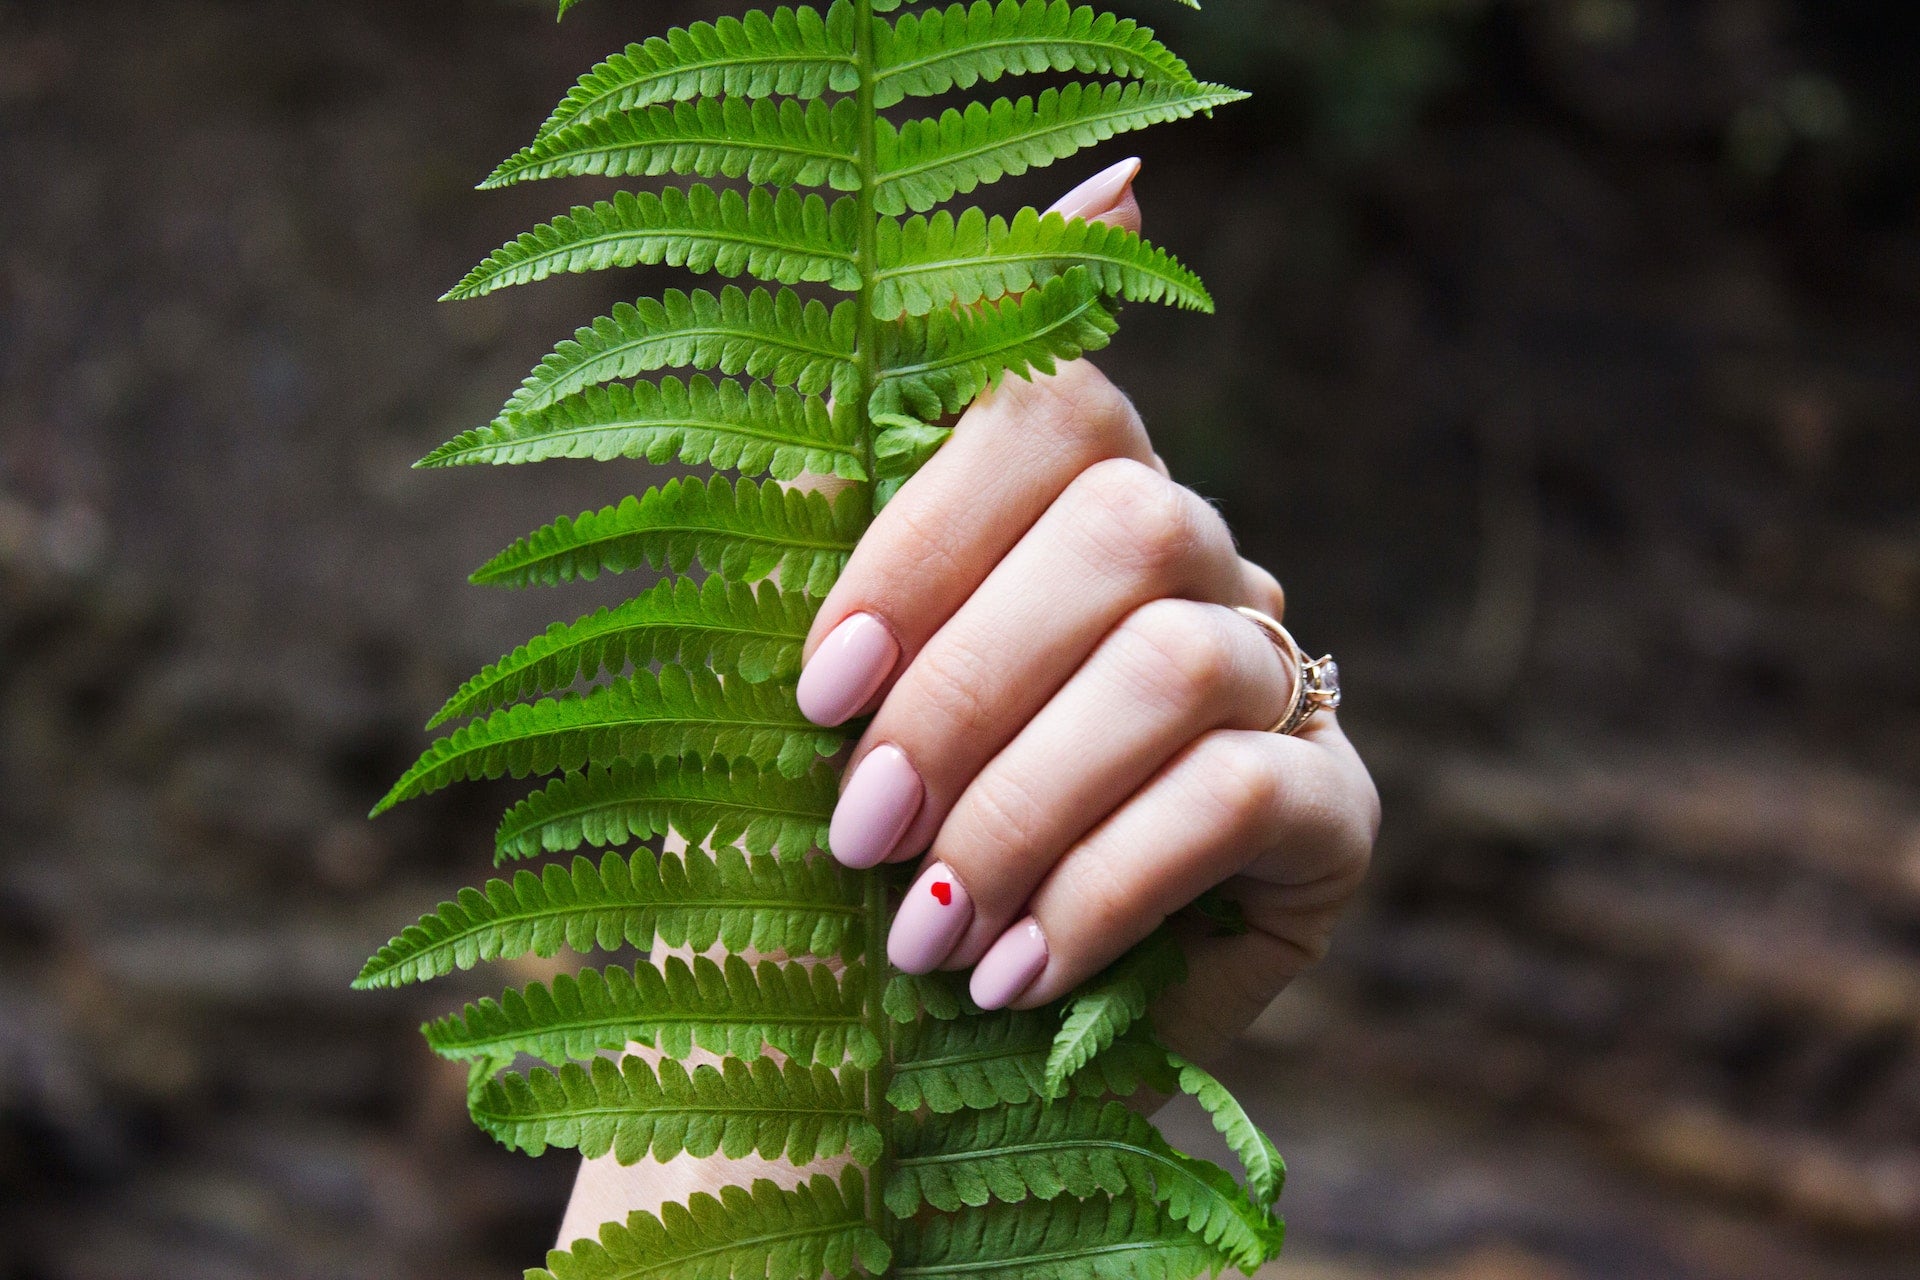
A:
x,y
783,142
691,900
794,52
784,237
937,364
1266,1171
713,803
753,429
1102,1010
819,1228
932,262
755,634
937,995
736,1010
744,532
1080,1148
1124,1238
956,47
635,1110
769,335
927,161
678,712
996,1059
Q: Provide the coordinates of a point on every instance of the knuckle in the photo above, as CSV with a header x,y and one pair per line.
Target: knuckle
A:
x,y
1135,517
1183,648
1240,784
948,686
996,821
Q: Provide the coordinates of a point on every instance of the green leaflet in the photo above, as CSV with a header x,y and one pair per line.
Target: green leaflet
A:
x,y
736,1009
1103,1009
735,629
633,1111
779,143
754,429
765,334
675,713
691,900
708,802
933,262
924,162
940,49
672,715
1097,1239
995,1059
784,237
818,1228
1077,1148
744,532
936,364
1266,1171
797,52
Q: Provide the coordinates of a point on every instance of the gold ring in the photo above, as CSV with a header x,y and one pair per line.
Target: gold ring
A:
x,y
1316,681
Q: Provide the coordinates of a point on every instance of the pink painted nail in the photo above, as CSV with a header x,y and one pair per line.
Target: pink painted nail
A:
x,y
1010,967
1104,192
846,669
933,915
874,811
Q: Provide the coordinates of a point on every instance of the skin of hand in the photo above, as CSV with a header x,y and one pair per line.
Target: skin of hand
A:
x,y
1070,724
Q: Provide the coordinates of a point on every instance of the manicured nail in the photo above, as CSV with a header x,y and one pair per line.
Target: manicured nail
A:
x,y
933,915
1100,193
1010,967
847,669
880,801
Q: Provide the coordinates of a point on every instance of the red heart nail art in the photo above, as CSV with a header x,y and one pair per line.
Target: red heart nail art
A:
x,y
943,891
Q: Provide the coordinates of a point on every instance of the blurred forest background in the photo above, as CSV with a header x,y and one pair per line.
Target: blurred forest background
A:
x,y
1565,371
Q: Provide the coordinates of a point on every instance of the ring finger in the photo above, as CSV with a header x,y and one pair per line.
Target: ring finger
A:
x,y
1169,673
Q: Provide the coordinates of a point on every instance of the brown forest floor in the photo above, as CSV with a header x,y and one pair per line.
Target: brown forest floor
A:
x,y
1574,397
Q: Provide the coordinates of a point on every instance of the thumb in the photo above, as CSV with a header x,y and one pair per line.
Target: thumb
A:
x,y
1105,197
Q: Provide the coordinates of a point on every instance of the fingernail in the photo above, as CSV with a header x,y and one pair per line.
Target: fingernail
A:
x,y
1101,193
846,669
880,800
933,915
1010,967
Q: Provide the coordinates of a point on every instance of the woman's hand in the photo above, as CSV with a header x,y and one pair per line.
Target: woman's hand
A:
x,y
1069,716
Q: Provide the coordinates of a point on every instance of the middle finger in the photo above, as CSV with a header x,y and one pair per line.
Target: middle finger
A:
x,y
1119,536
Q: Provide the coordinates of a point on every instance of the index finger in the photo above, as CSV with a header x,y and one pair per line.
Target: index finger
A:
x,y
1013,452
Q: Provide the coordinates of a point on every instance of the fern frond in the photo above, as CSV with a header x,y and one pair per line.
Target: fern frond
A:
x,y
1266,1171
1078,1148
780,142
784,237
675,713
795,52
931,262
1103,1010
737,1010
1123,1238
737,630
709,802
907,996
819,1228
635,1110
743,532
691,900
956,47
769,335
936,364
1000,1058
924,162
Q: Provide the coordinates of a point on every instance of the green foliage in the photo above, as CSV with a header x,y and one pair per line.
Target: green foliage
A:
x,y
981,1145
818,1228
707,802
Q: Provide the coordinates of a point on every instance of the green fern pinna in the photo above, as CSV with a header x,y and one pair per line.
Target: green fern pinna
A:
x,y
979,1144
